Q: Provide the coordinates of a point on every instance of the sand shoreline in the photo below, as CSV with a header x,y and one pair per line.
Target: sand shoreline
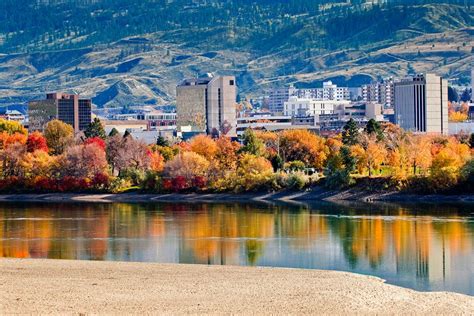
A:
x,y
313,195
72,287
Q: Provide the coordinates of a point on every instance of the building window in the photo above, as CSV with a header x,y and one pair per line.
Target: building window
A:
x,y
231,82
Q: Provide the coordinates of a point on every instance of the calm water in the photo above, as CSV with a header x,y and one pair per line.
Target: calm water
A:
x,y
423,247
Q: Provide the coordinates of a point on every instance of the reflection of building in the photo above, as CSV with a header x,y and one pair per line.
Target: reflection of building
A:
x,y
421,104
207,105
65,107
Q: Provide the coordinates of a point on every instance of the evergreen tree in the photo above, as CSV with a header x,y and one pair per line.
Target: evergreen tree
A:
x,y
277,162
95,129
113,132
373,128
126,134
161,141
252,144
350,133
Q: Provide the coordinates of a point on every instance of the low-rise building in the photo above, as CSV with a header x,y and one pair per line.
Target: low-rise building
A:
x,y
310,107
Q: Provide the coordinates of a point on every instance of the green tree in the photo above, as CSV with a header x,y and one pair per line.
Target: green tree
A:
x,y
161,141
373,128
114,132
277,162
95,129
252,144
58,135
339,168
350,133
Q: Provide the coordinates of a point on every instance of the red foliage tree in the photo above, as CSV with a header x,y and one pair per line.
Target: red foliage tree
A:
x,y
96,140
36,141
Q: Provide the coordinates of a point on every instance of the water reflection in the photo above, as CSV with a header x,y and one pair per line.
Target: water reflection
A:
x,y
423,247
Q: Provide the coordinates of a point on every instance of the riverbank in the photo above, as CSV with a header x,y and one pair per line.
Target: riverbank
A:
x,y
72,287
314,194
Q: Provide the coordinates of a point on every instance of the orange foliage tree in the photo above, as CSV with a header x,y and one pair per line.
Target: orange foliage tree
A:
x,y
304,146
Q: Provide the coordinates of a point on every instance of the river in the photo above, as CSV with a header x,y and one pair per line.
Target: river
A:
x,y
425,247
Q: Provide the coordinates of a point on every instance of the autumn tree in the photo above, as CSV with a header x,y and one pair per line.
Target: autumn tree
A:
x,y
304,146
253,172
7,139
12,127
187,165
58,136
132,154
36,141
419,152
226,154
12,159
375,154
83,161
204,146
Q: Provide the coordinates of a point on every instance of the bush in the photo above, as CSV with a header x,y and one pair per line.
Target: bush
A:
x,y
296,181
135,176
294,166
152,182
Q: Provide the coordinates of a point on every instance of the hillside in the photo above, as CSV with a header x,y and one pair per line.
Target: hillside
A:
x,y
127,53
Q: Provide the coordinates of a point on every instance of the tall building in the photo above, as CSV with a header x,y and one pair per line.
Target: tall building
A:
x,y
379,92
65,107
207,105
277,97
421,104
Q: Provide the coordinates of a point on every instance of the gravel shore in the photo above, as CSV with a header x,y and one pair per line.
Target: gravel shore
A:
x,y
91,287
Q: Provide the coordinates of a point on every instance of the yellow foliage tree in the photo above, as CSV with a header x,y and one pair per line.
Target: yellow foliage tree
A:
x,y
204,146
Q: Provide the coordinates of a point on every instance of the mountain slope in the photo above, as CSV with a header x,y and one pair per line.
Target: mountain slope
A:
x,y
263,45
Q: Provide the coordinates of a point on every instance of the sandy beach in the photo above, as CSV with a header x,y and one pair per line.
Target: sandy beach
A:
x,y
91,287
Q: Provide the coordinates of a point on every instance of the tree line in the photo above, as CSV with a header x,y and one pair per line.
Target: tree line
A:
x,y
57,160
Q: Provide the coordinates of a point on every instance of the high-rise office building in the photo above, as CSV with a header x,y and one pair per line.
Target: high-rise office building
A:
x,y
207,105
421,104
64,107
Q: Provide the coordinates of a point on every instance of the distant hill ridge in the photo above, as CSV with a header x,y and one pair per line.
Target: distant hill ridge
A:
x,y
134,51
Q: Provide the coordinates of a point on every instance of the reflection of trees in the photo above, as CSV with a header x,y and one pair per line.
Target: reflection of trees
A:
x,y
226,234
361,237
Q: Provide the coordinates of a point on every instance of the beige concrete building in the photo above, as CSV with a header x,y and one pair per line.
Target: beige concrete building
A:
x,y
68,108
421,104
207,105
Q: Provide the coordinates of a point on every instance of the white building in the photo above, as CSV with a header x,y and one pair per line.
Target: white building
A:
x,y
421,104
329,92
296,106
